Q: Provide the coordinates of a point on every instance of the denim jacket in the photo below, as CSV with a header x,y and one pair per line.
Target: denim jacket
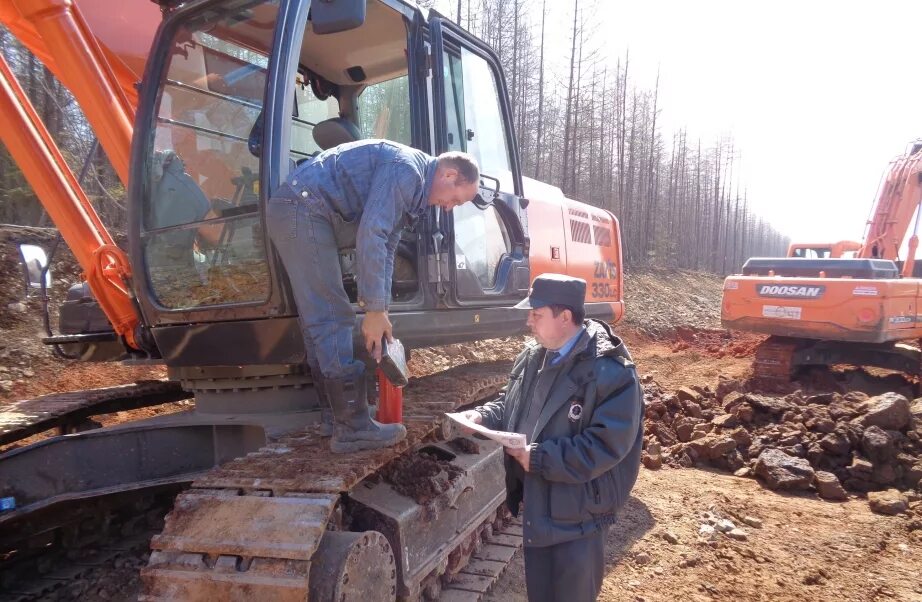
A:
x,y
587,441
374,183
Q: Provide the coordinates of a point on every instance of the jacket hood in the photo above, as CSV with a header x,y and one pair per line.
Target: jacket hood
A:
x,y
603,340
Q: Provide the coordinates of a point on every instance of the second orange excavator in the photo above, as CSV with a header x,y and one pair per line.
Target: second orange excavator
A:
x,y
865,310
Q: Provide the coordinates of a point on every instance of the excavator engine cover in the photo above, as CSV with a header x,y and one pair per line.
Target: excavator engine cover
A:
x,y
874,269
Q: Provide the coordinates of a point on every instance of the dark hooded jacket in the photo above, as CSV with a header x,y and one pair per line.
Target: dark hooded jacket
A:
x,y
588,436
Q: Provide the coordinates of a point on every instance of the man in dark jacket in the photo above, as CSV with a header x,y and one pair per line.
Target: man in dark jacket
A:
x,y
362,190
576,396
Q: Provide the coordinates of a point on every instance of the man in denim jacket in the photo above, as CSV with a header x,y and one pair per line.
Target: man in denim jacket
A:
x,y
368,187
576,396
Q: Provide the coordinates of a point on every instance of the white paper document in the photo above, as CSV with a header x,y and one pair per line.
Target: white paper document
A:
x,y
513,440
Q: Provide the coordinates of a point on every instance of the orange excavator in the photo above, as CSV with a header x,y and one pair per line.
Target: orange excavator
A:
x,y
863,310
842,248
203,108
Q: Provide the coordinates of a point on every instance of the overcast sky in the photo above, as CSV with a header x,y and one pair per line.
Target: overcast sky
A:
x,y
818,95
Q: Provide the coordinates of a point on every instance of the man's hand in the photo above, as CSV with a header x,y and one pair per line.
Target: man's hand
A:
x,y
472,415
375,326
521,455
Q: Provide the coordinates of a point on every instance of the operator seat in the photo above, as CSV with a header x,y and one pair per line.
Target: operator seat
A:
x,y
335,131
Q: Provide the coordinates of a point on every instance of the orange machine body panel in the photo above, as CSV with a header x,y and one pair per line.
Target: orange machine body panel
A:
x,y
571,237
841,309
124,35
823,249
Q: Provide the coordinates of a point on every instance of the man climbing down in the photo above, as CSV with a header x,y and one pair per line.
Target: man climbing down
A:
x,y
368,186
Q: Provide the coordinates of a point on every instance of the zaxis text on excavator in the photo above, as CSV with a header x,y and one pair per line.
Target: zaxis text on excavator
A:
x,y
203,109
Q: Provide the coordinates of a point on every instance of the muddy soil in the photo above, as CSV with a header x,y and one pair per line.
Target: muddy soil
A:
x,y
421,477
806,548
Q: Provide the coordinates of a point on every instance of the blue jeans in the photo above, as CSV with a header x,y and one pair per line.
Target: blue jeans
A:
x,y
303,234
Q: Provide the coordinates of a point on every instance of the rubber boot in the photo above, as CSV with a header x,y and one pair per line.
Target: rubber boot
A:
x,y
325,428
326,412
326,420
353,428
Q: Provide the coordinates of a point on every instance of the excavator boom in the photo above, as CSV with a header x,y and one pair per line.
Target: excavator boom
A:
x,y
99,57
897,203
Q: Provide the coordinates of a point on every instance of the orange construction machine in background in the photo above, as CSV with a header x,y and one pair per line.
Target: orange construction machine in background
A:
x,y
824,309
822,250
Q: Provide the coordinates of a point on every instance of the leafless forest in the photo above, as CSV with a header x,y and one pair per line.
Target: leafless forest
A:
x,y
581,121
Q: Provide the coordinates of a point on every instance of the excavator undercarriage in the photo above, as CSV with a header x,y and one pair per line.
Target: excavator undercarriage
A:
x,y
290,520
779,359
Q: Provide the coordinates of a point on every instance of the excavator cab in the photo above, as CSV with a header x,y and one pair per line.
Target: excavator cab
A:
x,y
842,249
243,91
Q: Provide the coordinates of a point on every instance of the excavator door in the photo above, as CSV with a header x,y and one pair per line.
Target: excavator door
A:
x,y
488,246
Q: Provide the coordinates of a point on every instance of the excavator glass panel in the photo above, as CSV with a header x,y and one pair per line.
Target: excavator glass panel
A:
x,y
483,250
202,234
812,252
309,111
384,110
485,134
481,241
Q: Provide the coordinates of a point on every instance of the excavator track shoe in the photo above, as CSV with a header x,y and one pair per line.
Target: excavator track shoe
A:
x,y
220,547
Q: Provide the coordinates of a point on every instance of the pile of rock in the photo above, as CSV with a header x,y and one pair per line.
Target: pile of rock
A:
x,y
829,442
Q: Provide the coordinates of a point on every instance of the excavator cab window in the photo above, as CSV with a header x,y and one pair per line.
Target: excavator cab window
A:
x,y
202,235
485,254
481,241
309,110
384,110
812,252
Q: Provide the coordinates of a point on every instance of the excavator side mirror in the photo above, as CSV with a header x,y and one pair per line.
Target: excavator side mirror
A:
x,y
34,265
486,198
332,16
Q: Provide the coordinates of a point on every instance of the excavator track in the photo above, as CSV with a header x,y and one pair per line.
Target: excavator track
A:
x,y
65,411
270,525
774,361
67,554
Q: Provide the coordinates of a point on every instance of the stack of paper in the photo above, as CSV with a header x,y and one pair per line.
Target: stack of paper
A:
x,y
513,440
